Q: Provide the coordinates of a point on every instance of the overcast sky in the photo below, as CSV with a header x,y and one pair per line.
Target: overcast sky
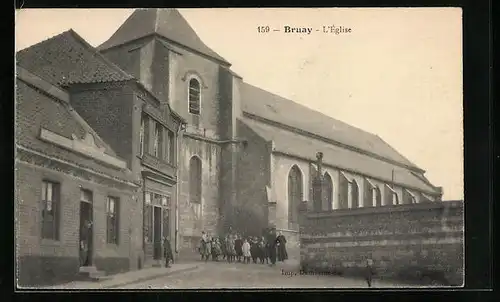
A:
x,y
398,74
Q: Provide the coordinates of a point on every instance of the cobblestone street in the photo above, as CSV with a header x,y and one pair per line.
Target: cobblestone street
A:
x,y
238,275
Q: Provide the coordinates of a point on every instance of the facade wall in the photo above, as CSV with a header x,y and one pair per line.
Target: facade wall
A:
x,y
43,261
127,57
401,240
281,169
194,218
183,65
253,166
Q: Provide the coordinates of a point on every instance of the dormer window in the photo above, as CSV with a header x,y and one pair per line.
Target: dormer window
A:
x,y
194,96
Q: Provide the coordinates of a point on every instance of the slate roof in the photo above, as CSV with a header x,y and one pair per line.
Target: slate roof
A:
x,y
81,63
264,104
167,23
305,147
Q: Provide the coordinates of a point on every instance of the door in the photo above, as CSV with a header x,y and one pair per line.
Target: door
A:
x,y
86,230
157,236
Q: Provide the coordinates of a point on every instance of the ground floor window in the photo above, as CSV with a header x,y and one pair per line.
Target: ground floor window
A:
x,y
50,210
112,210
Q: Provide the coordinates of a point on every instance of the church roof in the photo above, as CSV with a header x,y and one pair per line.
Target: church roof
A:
x,y
80,64
276,109
167,23
306,147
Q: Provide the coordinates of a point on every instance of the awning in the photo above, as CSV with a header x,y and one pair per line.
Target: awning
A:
x,y
371,183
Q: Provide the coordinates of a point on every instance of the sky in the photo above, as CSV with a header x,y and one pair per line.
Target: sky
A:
x,y
397,73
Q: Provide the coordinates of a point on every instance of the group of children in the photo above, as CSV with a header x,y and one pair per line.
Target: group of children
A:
x,y
236,248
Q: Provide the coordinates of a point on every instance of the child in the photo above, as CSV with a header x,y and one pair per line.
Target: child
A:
x,y
246,251
254,249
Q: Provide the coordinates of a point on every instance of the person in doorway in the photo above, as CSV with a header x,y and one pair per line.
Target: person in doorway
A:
x,y
167,252
281,246
85,233
238,243
245,249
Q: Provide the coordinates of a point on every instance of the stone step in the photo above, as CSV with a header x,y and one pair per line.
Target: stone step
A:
x,y
87,269
91,273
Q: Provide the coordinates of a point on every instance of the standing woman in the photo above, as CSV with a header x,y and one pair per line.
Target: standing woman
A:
x,y
263,247
272,246
281,244
204,247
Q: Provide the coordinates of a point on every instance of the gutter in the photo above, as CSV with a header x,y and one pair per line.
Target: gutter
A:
x,y
214,141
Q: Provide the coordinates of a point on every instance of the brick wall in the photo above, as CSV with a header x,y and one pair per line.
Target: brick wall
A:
x,y
108,110
42,261
403,241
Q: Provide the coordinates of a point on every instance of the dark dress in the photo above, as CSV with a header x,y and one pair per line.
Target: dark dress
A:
x,y
238,247
281,243
272,247
254,251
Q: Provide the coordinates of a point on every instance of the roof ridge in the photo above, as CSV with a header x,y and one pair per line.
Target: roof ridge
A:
x,y
43,41
315,110
100,55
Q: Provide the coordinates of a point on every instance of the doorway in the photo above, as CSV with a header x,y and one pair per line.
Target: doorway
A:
x,y
157,236
86,231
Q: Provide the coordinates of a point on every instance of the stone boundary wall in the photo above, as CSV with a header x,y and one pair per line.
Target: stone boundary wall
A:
x,y
422,242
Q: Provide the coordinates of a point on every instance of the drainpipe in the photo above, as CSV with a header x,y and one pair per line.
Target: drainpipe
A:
x,y
178,157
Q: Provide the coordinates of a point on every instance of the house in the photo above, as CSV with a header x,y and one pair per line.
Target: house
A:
x,y
243,158
67,176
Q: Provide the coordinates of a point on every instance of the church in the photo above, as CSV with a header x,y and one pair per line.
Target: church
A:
x,y
192,146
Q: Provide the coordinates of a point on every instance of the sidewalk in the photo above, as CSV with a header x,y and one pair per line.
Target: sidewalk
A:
x,y
127,278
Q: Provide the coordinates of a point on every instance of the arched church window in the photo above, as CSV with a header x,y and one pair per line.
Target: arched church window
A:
x,y
295,193
194,96
355,194
195,173
343,191
328,185
377,197
368,195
